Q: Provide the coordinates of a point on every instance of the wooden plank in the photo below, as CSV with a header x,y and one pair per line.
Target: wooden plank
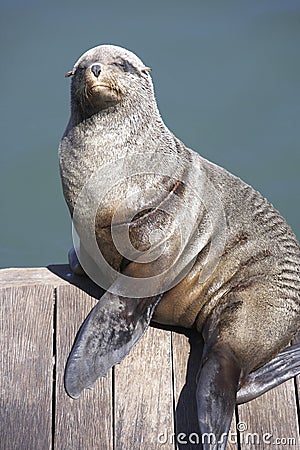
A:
x,y
143,394
86,423
56,275
31,276
26,367
270,421
186,359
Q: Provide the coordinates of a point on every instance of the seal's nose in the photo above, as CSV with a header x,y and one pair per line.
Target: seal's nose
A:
x,y
96,69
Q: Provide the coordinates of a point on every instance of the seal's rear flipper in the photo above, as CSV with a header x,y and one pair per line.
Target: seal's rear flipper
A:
x,y
107,335
217,385
281,368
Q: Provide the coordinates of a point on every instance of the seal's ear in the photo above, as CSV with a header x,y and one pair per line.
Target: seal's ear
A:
x,y
107,335
145,70
69,74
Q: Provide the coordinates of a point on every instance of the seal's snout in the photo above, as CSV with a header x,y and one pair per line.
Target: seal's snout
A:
x,y
96,69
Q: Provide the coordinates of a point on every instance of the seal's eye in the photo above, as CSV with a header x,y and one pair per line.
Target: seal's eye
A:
x,y
126,66
96,69
121,65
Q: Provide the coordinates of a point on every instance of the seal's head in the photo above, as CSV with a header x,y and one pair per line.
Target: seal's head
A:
x,y
105,76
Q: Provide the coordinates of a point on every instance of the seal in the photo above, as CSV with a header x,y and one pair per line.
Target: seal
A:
x,y
199,247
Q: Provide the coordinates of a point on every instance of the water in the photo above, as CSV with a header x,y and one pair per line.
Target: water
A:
x,y
227,82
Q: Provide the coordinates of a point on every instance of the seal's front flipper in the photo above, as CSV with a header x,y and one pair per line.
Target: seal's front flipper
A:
x,y
74,262
281,368
217,385
107,335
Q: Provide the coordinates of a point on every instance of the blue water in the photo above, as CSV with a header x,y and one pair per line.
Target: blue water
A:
x,y
227,83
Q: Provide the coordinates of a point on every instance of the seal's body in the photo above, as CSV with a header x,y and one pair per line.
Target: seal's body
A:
x,y
245,299
257,280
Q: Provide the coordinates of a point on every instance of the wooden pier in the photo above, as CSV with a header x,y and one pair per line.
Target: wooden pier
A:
x,y
147,402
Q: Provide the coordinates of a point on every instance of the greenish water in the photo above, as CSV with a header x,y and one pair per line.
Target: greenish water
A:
x,y
227,83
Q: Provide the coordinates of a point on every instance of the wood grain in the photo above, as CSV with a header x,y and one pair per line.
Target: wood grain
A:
x,y
271,420
85,423
54,275
143,395
26,367
30,276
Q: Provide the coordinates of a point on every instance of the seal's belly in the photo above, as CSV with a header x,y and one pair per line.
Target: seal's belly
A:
x,y
180,306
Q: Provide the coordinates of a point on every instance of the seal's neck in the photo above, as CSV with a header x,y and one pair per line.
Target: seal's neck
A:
x,y
132,119
140,100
